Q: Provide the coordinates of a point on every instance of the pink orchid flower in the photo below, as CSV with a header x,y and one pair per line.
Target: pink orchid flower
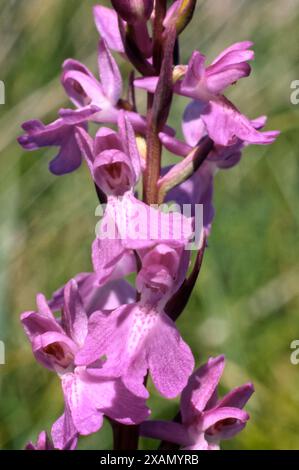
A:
x,y
128,224
205,419
55,344
140,337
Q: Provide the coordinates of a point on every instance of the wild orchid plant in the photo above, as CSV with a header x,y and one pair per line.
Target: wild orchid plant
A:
x,y
110,336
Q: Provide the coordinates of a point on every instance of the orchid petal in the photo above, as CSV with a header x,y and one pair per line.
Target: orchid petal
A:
x,y
147,83
128,139
59,134
105,254
170,358
215,421
107,24
106,139
109,73
64,433
193,126
225,123
74,315
77,116
200,388
165,431
237,46
238,397
86,418
85,143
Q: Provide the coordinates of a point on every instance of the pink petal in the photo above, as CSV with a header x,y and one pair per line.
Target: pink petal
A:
x,y
218,82
201,387
35,324
231,59
121,337
238,397
164,258
86,418
106,336
138,122
116,186
74,315
69,157
57,133
77,116
76,94
109,73
146,226
195,72
174,145
40,344
57,300
111,296
259,122
165,431
91,89
193,126
225,123
126,265
107,24
237,46
106,139
216,415
73,64
95,296
128,139
147,83
42,443
64,433
170,358
85,142
112,398
106,253
43,307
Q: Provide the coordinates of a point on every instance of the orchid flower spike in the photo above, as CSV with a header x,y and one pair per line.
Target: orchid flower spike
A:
x,y
105,332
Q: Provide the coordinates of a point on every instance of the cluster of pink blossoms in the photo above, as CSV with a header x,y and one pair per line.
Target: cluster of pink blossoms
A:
x,y
100,334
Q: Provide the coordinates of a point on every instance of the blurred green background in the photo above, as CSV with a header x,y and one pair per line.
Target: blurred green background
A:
x,y
246,303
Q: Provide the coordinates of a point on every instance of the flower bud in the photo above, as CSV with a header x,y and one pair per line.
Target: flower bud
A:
x,y
180,13
133,10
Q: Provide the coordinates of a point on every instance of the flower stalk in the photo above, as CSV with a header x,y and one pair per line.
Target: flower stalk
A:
x,y
157,114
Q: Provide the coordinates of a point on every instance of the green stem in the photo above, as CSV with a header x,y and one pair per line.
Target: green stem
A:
x,y
154,148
